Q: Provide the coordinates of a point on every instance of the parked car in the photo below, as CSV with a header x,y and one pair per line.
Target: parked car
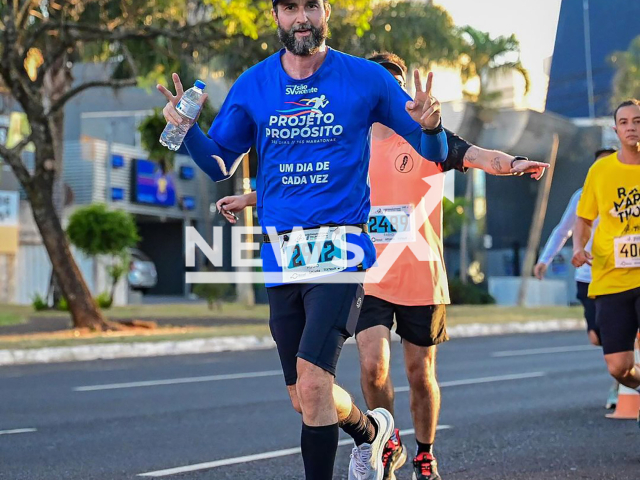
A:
x,y
142,271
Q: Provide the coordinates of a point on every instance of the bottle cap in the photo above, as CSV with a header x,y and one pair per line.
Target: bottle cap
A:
x,y
200,84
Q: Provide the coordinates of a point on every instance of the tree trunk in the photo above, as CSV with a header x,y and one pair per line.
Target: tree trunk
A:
x,y
82,306
112,294
39,190
46,196
537,222
57,82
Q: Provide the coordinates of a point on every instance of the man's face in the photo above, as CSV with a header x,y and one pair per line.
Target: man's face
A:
x,y
628,125
302,24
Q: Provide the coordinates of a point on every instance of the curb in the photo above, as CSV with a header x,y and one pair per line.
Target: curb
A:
x,y
82,353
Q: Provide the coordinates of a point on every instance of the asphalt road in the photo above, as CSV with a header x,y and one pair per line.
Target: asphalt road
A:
x,y
510,412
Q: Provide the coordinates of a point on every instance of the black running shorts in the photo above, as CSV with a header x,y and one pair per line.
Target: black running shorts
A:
x,y
423,325
312,321
589,305
618,318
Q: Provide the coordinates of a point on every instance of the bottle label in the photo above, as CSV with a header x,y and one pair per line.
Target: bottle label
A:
x,y
188,109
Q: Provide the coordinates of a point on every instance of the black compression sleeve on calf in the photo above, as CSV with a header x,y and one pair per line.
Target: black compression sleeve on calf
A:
x,y
319,448
359,427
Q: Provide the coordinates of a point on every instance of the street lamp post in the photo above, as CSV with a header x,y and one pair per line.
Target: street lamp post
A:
x,y
587,53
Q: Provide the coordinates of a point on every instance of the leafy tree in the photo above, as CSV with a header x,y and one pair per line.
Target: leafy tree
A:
x,y
96,230
626,83
485,57
151,128
453,215
349,17
419,33
138,41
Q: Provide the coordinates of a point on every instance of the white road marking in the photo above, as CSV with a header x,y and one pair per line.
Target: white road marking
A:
x,y
544,351
176,381
293,451
18,430
477,381
251,458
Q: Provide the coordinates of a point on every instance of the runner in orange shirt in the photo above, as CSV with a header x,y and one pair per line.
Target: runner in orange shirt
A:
x,y
406,199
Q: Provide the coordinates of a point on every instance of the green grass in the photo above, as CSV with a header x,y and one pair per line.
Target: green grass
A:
x,y
464,314
190,310
14,314
205,332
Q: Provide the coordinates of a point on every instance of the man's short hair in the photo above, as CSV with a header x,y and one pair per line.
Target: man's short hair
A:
x,y
604,151
390,60
626,103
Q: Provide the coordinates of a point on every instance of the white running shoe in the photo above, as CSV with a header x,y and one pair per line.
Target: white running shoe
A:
x,y
366,460
612,399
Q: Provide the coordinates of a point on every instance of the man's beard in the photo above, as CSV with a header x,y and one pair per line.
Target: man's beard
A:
x,y
306,45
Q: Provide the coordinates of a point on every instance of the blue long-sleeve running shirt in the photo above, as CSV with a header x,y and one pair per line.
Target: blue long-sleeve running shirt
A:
x,y
312,138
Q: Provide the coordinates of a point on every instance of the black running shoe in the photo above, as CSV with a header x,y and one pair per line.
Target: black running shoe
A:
x,y
393,456
425,467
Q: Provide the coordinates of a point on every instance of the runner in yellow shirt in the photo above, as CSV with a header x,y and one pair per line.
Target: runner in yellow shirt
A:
x,y
612,192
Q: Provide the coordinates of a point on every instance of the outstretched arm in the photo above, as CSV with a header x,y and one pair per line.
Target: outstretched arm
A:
x,y
496,162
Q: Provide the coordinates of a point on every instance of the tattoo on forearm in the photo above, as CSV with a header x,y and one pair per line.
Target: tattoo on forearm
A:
x,y
472,155
497,166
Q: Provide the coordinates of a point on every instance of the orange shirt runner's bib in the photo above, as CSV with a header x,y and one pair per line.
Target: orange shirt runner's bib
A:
x,y
405,223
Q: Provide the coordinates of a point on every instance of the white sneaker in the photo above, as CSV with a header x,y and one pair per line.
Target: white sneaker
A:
x,y
366,460
612,399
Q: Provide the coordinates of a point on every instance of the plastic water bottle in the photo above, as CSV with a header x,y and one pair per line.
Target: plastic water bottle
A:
x,y
188,107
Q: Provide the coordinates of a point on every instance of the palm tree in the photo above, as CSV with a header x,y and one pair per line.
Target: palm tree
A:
x,y
419,33
626,83
483,58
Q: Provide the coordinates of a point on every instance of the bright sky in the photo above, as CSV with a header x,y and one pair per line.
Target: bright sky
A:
x,y
533,21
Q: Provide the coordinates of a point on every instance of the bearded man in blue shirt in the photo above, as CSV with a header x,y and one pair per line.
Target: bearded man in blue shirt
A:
x,y
308,110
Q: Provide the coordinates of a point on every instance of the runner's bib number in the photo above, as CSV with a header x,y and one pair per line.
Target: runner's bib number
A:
x,y
313,253
392,223
627,251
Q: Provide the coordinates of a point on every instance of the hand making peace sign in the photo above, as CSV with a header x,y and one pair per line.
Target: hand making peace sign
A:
x,y
424,109
169,111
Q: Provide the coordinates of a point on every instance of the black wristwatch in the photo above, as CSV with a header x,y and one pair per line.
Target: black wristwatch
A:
x,y
433,131
518,158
